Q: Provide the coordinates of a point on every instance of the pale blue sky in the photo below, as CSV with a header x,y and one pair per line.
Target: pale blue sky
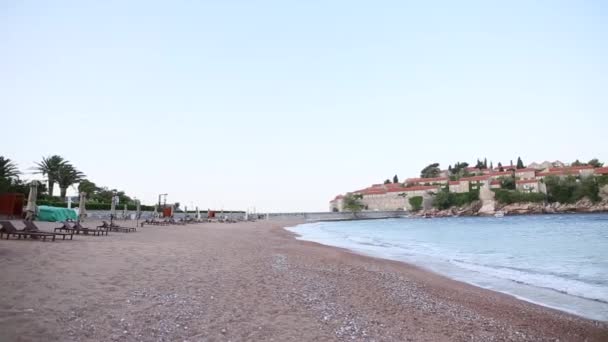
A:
x,y
283,104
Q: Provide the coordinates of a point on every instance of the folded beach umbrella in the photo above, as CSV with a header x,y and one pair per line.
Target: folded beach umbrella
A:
x,y
113,207
155,211
30,210
198,214
138,210
124,212
82,210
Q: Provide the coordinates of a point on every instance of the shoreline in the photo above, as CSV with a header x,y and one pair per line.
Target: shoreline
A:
x,y
423,268
249,281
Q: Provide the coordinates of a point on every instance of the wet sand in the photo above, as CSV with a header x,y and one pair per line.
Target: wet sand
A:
x,y
248,282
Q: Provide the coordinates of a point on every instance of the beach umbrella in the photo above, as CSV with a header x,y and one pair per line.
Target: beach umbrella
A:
x,y
30,210
113,208
82,210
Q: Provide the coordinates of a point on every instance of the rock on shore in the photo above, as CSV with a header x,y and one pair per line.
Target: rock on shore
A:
x,y
490,207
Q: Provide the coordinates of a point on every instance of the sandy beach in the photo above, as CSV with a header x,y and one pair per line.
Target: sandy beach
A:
x,y
250,281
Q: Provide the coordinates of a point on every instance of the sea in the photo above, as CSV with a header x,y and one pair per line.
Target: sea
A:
x,y
558,261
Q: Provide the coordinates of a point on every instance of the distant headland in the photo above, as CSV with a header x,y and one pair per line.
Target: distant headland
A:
x,y
482,189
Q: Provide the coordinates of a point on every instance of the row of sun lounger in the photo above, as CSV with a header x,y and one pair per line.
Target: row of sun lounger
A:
x,y
67,229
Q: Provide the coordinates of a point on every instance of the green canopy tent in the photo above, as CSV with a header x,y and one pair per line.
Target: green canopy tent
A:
x,y
54,214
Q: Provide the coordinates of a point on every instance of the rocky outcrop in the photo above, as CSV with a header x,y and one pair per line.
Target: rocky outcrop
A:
x,y
604,192
488,207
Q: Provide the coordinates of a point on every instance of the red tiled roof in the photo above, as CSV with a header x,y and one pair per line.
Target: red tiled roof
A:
x,y
476,178
526,169
374,192
415,188
526,181
571,168
601,170
498,173
426,180
454,182
495,182
553,173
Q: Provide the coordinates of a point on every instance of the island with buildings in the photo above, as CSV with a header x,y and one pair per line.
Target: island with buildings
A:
x,y
547,187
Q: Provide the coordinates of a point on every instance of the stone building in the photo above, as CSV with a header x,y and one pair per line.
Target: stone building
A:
x,y
396,196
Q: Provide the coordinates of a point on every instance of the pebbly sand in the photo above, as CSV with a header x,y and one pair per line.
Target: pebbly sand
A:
x,y
248,282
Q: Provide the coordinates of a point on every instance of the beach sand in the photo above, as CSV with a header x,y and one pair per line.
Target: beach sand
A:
x,y
250,281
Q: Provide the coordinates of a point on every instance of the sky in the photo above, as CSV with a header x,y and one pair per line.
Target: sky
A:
x,y
282,105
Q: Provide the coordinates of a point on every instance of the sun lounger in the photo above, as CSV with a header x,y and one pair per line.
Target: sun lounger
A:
x,y
77,229
77,225
31,227
9,229
115,228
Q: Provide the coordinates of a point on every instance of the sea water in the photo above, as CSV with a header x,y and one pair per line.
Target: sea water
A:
x,y
560,261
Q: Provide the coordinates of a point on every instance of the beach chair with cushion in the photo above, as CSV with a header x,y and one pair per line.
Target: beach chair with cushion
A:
x,y
30,226
9,230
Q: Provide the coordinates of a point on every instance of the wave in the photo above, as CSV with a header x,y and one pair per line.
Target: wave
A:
x,y
543,280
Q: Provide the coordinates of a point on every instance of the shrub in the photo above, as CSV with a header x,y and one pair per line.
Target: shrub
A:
x,y
507,182
571,189
416,203
445,199
509,196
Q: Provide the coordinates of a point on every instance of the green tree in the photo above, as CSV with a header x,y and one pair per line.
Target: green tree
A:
x,y
395,179
352,203
431,171
8,169
479,164
387,181
49,167
485,163
67,175
571,189
459,168
520,163
500,168
491,166
577,163
595,163
87,186
507,183
415,203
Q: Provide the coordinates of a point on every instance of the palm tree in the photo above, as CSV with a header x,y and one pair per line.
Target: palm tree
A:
x,y
67,175
49,166
8,169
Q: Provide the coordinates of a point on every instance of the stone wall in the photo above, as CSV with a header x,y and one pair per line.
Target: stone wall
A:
x,y
336,216
384,202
